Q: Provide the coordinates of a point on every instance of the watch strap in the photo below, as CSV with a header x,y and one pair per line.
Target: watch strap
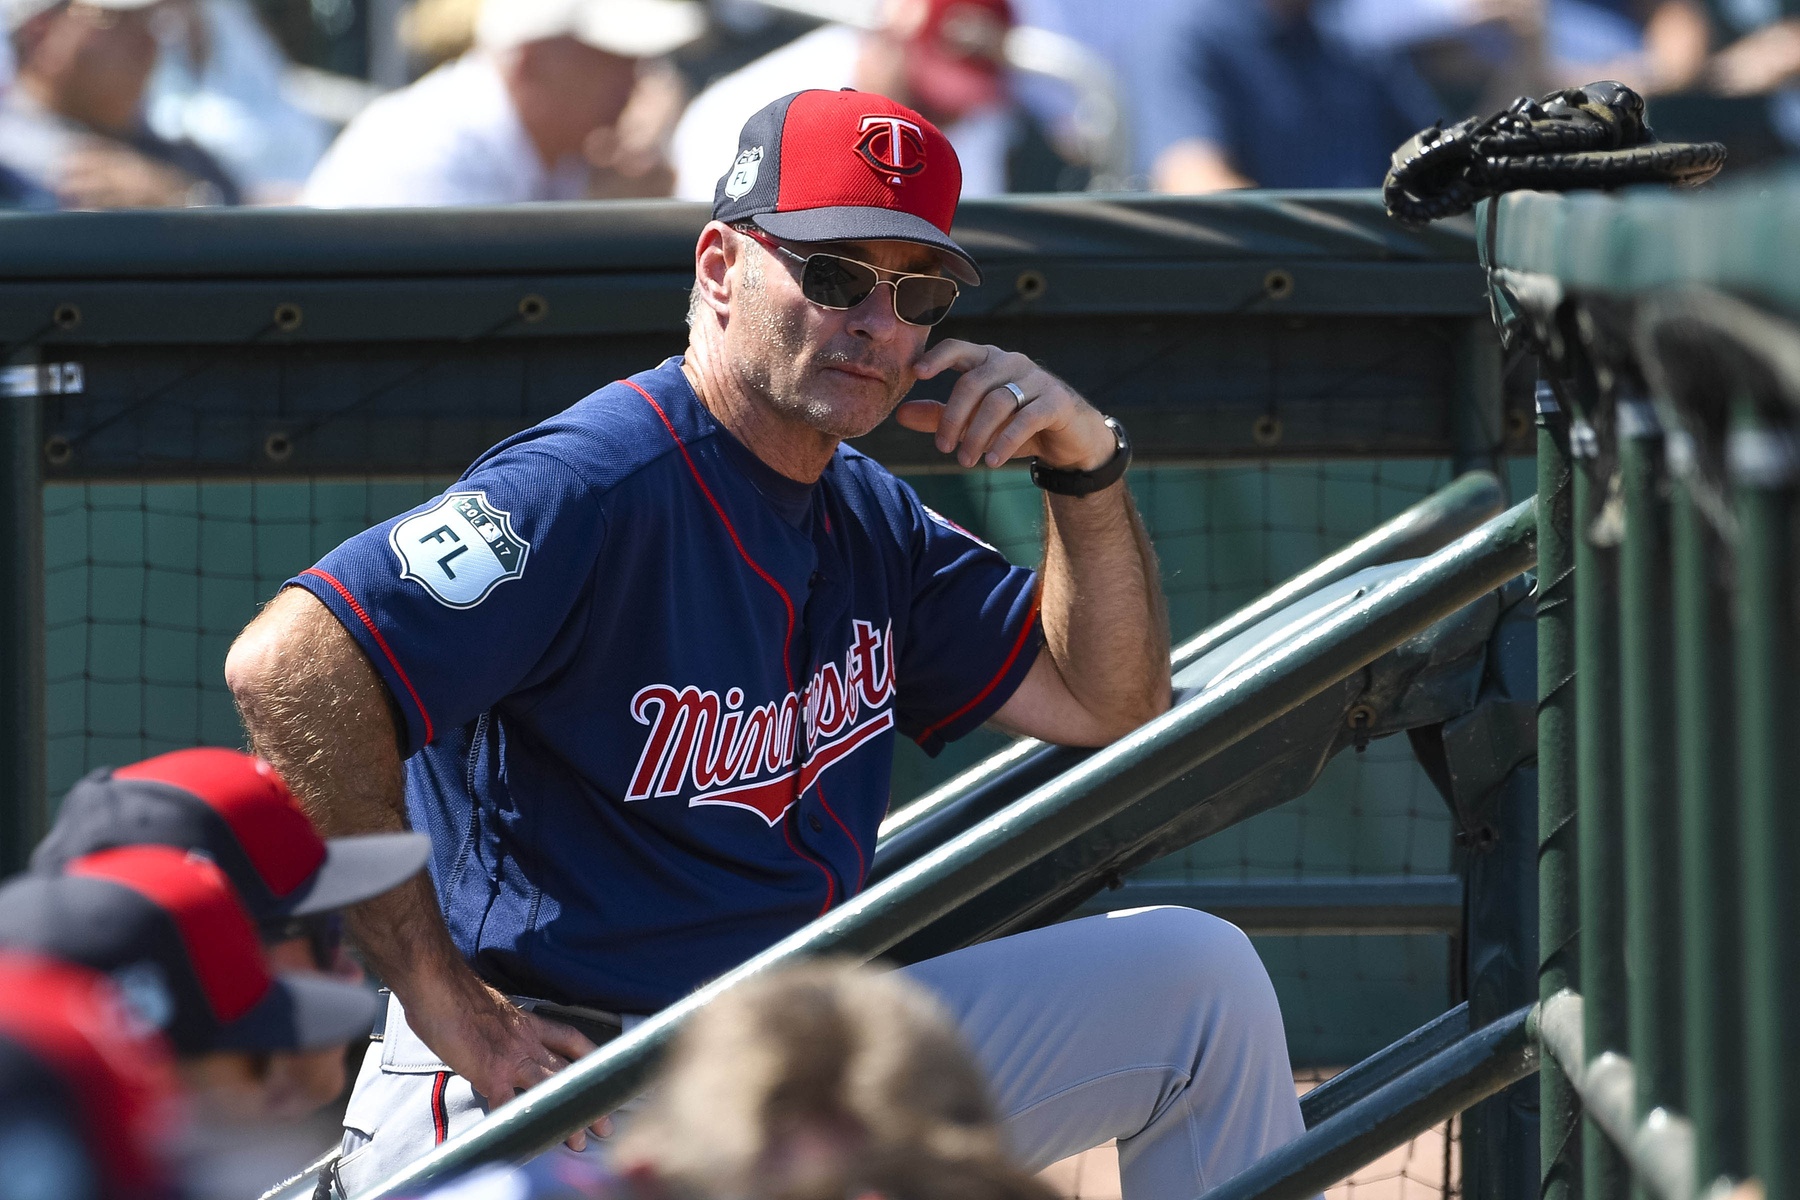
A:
x,y
1065,482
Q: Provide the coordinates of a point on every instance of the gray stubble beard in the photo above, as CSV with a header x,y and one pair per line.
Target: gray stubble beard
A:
x,y
768,328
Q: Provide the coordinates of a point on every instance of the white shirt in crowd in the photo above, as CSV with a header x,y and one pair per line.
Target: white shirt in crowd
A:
x,y
232,105
706,139
451,138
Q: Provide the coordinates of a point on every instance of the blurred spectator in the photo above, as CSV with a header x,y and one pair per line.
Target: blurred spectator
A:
x,y
73,123
235,809
1765,59
1256,93
1114,33
1480,54
738,32
88,1098
218,83
938,57
166,925
630,158
436,31
820,1082
16,191
511,119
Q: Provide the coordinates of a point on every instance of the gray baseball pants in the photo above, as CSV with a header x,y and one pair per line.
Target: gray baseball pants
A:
x,y
1156,1026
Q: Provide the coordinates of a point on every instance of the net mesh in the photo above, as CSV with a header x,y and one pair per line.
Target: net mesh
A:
x,y
147,583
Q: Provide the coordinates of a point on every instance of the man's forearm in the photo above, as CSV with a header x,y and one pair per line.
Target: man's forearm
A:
x,y
1106,625
316,709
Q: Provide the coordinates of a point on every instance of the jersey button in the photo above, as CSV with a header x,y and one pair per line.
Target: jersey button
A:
x,y
813,822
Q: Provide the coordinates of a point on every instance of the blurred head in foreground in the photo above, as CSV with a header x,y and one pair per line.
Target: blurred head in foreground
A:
x,y
87,1090
235,810
169,930
828,1081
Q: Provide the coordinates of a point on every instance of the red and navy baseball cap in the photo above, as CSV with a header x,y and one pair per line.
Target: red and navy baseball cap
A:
x,y
235,809
167,926
88,1093
847,166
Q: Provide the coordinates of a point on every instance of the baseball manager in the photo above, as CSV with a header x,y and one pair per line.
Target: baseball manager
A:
x,y
639,671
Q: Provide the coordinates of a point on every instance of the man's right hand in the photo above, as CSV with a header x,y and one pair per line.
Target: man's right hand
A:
x,y
498,1047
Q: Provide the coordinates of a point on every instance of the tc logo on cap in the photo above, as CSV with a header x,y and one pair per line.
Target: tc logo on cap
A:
x,y
845,166
891,145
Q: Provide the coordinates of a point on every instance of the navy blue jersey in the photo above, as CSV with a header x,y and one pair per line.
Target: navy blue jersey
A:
x,y
651,686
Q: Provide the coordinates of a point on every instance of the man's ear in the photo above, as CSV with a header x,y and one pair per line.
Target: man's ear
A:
x,y
715,256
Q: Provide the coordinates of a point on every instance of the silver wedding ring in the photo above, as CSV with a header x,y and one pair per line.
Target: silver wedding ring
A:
x,y
1018,393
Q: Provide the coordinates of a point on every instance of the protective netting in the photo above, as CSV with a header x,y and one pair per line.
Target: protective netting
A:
x,y
147,583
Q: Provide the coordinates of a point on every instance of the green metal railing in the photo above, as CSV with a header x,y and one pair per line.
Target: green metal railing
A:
x,y
1669,681
1450,1081
1038,823
990,785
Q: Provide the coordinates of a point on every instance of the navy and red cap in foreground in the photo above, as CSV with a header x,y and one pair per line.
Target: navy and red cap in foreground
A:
x,y
235,809
168,928
846,166
88,1093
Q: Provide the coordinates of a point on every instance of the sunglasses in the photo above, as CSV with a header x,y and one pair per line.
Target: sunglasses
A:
x,y
833,281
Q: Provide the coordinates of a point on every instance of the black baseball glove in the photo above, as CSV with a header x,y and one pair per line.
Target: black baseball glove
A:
x,y
1586,137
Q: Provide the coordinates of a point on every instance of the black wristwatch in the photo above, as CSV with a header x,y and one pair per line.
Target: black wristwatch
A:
x,y
1085,483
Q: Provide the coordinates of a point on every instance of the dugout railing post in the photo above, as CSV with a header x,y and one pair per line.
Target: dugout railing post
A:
x,y
21,623
1559,920
1761,462
1647,748
1498,943
1599,795
1706,730
1491,771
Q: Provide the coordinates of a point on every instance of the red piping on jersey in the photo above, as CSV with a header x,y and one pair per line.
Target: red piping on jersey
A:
x,y
440,1117
862,867
786,602
1012,657
375,633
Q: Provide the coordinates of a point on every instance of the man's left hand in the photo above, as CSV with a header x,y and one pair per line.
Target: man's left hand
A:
x,y
984,422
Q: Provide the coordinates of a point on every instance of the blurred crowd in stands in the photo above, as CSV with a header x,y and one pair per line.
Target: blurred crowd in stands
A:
x,y
176,1000
150,103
